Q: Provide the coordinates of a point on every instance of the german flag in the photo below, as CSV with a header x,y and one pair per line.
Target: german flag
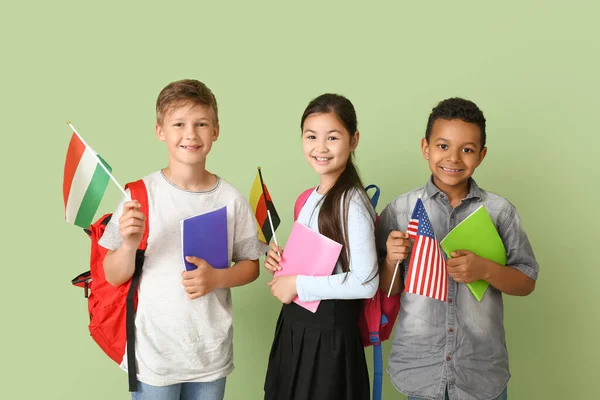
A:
x,y
260,200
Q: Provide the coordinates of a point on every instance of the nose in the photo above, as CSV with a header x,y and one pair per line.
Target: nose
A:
x,y
322,145
190,132
453,155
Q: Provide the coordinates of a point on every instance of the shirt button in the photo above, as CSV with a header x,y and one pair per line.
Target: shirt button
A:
x,y
448,358
452,216
450,301
450,330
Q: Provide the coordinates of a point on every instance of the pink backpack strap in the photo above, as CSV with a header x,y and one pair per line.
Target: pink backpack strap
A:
x,y
301,201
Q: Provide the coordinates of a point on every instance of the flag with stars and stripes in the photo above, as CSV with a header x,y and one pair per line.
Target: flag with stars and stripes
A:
x,y
427,272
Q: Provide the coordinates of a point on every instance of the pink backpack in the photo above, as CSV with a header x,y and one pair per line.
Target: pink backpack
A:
x,y
379,313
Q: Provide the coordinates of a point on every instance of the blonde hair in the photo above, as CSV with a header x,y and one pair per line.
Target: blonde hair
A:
x,y
179,92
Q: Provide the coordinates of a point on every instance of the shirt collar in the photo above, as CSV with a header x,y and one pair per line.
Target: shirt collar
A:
x,y
432,190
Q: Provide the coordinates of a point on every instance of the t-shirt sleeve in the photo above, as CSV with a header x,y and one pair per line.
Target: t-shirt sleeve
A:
x,y
246,245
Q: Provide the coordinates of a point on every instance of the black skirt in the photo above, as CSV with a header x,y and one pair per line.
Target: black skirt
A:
x,y
318,356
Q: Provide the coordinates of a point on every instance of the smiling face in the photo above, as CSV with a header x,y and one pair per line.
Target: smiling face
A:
x,y
189,131
327,145
454,152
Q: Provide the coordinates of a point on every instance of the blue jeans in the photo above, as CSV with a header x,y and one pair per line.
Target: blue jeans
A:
x,y
182,391
503,396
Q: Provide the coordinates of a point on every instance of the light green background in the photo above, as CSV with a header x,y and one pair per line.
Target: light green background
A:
x,y
531,66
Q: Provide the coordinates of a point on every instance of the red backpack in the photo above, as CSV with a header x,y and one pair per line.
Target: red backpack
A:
x,y
112,309
379,313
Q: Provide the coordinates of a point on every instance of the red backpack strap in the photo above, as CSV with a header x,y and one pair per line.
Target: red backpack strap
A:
x,y
301,201
140,193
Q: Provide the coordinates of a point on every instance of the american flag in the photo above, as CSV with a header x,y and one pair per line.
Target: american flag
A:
x,y
427,272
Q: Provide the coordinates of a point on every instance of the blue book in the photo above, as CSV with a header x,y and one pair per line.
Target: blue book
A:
x,y
205,236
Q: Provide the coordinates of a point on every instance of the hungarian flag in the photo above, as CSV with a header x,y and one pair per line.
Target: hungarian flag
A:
x,y
427,272
84,182
260,200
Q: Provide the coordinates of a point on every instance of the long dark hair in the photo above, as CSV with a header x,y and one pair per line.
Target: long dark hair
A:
x,y
333,215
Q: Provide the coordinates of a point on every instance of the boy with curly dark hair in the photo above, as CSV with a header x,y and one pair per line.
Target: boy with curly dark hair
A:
x,y
456,349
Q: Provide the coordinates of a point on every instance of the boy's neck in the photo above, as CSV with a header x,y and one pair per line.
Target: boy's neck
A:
x,y
190,178
455,194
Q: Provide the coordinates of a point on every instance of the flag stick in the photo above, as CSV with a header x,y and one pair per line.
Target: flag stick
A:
x,y
99,160
393,278
273,230
262,186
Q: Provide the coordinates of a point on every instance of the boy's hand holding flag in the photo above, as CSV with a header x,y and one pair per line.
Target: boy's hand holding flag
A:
x,y
427,270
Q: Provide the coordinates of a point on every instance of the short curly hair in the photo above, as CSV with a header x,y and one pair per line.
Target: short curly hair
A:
x,y
457,108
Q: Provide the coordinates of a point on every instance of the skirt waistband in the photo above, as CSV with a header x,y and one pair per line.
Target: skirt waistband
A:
x,y
329,314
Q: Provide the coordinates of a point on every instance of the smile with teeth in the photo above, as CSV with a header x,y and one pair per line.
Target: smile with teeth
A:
x,y
191,147
322,159
451,170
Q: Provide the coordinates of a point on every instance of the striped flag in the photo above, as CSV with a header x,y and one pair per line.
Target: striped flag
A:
x,y
427,272
260,200
84,182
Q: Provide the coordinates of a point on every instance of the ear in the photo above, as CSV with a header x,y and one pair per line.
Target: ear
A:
x,y
425,148
216,131
482,155
354,141
159,132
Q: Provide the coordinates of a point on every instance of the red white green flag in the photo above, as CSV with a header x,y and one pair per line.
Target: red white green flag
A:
x,y
84,183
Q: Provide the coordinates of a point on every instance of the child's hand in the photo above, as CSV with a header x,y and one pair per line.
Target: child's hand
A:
x,y
200,281
131,224
466,266
272,260
284,288
398,245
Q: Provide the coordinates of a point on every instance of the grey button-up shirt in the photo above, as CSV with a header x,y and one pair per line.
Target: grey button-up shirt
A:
x,y
458,344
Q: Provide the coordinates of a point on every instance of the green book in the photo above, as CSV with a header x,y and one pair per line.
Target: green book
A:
x,y
477,234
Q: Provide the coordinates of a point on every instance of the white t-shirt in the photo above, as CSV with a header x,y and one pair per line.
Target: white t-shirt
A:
x,y
178,339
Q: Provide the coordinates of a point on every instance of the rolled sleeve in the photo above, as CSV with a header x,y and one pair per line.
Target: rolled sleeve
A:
x,y
519,253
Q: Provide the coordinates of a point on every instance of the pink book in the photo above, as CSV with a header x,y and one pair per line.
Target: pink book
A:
x,y
307,252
